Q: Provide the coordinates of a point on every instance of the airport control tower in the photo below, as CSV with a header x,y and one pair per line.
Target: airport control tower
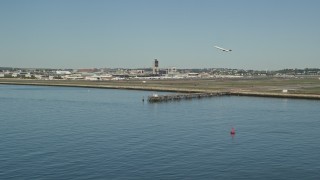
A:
x,y
156,67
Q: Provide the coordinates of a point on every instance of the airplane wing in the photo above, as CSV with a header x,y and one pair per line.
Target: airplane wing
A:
x,y
222,49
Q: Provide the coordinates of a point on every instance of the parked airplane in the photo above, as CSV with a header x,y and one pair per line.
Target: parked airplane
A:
x,y
222,49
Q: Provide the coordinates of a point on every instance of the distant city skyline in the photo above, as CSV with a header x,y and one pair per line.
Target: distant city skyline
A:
x,y
263,35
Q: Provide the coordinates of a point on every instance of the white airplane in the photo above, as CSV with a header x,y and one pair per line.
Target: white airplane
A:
x,y
222,49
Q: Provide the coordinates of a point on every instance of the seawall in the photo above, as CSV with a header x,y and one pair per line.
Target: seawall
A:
x,y
151,88
277,95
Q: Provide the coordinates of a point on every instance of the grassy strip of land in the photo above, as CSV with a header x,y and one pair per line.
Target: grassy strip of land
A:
x,y
307,88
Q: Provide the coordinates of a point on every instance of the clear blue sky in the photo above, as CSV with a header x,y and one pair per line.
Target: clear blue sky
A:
x,y
263,34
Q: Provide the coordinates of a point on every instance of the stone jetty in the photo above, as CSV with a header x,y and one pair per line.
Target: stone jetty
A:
x,y
176,97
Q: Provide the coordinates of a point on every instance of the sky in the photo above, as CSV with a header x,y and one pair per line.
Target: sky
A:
x,y
263,34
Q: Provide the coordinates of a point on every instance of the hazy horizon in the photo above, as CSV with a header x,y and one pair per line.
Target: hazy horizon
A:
x,y
263,35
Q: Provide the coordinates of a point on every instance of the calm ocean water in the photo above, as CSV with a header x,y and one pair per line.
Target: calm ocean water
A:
x,y
80,133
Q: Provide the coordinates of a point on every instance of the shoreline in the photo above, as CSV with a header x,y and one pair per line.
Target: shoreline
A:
x,y
277,95
106,87
122,85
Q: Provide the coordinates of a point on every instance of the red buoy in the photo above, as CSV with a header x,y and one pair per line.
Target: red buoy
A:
x,y
233,131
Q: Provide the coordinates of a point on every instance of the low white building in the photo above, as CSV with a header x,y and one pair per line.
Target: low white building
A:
x,y
28,75
102,77
39,76
63,72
